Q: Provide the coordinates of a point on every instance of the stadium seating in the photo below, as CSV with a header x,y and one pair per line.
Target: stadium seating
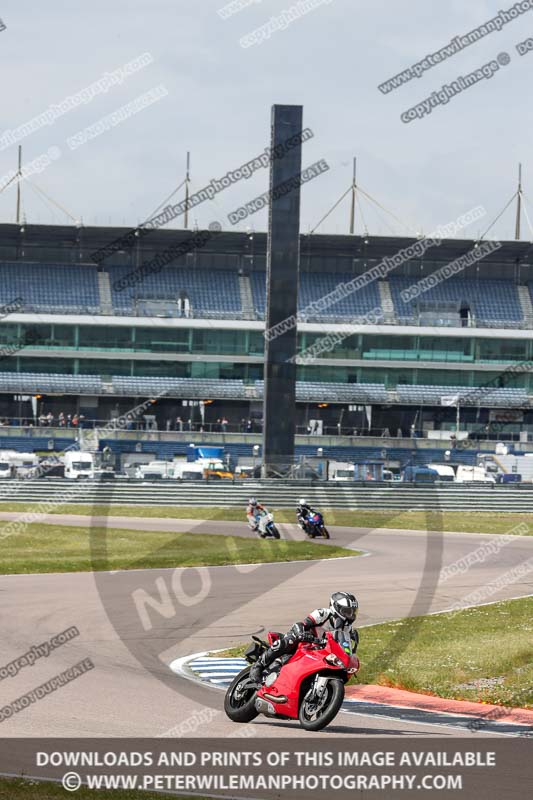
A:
x,y
208,291
73,288
490,301
469,395
335,392
32,382
51,288
314,286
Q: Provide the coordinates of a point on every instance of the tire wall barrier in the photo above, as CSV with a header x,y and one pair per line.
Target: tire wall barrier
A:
x,y
276,494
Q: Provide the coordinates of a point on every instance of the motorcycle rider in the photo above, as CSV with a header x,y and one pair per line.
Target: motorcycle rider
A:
x,y
303,509
340,616
253,512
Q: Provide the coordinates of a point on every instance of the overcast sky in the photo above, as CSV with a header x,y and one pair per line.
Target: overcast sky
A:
x,y
330,60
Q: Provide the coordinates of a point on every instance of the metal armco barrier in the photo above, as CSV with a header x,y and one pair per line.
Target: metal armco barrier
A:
x,y
276,494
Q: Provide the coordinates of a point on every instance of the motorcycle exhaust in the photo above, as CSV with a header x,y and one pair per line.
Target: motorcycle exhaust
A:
x,y
263,707
278,699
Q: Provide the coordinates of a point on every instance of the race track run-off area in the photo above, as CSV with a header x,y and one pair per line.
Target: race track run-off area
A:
x,y
133,625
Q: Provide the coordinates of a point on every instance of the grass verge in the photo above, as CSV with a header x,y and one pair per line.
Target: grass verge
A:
x,y
61,548
471,522
15,788
483,654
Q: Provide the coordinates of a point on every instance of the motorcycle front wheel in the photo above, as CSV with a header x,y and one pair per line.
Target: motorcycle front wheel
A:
x,y
239,702
315,716
274,532
325,533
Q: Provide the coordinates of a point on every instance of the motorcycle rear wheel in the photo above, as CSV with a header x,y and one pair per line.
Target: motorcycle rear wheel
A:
x,y
317,720
240,709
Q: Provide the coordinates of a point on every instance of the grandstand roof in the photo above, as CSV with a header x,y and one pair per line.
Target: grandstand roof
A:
x,y
62,238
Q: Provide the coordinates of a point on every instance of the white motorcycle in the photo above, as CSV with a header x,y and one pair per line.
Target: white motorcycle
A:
x,y
266,527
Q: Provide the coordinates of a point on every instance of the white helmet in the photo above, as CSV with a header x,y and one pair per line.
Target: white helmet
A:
x,y
252,501
344,605
302,501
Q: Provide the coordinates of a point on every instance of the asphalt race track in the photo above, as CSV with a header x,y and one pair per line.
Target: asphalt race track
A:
x,y
127,695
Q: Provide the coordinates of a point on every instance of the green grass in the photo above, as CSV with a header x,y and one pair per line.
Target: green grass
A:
x,y
62,548
438,654
468,522
20,788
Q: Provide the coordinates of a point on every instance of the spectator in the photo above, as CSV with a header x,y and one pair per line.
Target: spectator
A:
x,y
190,424
75,421
169,424
249,426
224,424
50,419
42,420
69,420
61,419
179,424
385,433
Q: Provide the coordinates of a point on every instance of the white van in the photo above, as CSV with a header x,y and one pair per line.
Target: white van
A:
x,y
24,465
6,464
78,464
341,471
467,474
155,471
445,472
188,471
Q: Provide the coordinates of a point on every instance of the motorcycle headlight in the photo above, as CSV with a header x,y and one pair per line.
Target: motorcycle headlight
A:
x,y
336,662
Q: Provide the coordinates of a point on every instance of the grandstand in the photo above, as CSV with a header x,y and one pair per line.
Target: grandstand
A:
x,y
89,341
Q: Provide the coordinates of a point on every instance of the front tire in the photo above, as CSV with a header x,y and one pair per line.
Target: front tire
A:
x,y
325,533
240,705
312,719
274,532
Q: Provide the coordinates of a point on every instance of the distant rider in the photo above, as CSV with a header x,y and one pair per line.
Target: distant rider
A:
x,y
303,509
340,615
253,512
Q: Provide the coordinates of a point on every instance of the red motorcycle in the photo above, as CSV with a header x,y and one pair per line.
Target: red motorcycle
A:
x,y
307,686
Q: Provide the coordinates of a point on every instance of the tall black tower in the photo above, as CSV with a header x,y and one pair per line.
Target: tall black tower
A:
x,y
283,254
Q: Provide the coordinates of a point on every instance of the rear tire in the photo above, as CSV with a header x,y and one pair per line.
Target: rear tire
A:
x,y
240,709
333,703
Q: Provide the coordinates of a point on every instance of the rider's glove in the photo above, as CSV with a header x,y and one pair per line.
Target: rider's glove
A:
x,y
307,637
298,630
